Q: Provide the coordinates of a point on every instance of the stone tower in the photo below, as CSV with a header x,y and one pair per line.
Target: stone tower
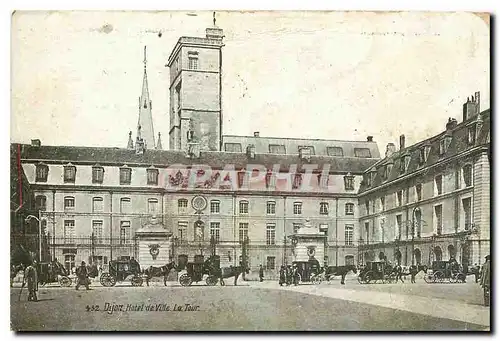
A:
x,y
195,91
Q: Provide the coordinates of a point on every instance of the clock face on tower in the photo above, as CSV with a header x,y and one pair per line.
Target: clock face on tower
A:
x,y
199,203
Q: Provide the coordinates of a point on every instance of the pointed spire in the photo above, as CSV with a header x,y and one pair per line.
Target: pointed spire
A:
x,y
130,144
145,122
158,144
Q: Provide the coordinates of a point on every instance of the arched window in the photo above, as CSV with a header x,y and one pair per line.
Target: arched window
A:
x,y
125,205
199,231
42,172
153,206
97,204
69,173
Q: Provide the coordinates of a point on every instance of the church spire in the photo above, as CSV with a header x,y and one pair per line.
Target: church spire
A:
x,y
158,144
145,122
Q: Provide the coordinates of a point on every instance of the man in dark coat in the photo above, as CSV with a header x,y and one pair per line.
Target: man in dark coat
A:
x,y
413,272
31,279
476,272
399,273
282,279
82,276
295,275
134,265
261,274
485,280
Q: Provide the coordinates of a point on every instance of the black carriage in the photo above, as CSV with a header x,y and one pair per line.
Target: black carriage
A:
x,y
376,271
308,271
52,272
442,271
121,270
197,269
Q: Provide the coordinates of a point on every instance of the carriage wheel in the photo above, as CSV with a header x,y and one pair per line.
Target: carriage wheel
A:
x,y
211,280
438,277
107,280
460,278
316,280
428,278
136,281
300,279
65,281
368,277
185,280
360,280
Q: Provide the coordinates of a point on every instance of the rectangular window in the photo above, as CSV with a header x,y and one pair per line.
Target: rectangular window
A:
x,y
271,207
438,213
296,227
97,204
124,231
467,175
349,209
97,231
215,206
438,181
297,208
152,175
349,235
69,231
125,206
271,234
182,205
466,204
97,175
362,152
399,198
41,203
42,172
277,149
270,262
242,232
418,223
367,207
69,262
367,231
153,206
418,192
323,208
215,232
69,203
399,222
471,135
311,149
382,204
349,182
69,173
243,207
334,151
182,231
193,63
232,147
125,176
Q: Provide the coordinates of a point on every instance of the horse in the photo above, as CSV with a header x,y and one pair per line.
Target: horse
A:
x,y
154,271
341,270
230,271
92,270
14,270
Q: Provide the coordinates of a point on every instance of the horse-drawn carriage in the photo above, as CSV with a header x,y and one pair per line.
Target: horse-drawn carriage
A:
x,y
200,267
308,271
441,271
121,270
376,271
53,272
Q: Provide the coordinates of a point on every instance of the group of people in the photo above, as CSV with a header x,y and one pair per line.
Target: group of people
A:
x,y
288,275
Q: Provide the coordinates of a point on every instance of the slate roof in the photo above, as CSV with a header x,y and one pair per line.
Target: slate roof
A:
x,y
458,145
164,158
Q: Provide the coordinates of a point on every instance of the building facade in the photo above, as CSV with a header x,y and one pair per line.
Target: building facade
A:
x,y
431,201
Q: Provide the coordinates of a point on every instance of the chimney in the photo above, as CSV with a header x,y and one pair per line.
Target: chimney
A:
x,y
36,143
401,142
369,138
471,107
391,149
251,151
452,124
256,134
478,103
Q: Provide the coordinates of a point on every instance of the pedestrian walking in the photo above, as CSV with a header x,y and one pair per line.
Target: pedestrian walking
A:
x,y
485,280
289,274
282,276
82,276
399,273
31,280
413,272
295,275
261,273
476,272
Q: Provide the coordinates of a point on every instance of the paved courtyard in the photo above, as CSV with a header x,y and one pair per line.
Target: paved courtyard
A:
x,y
255,306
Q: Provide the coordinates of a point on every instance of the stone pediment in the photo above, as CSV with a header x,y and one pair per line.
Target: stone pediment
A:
x,y
153,227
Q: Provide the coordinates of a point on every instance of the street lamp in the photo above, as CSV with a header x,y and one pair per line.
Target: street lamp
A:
x,y
413,212
27,219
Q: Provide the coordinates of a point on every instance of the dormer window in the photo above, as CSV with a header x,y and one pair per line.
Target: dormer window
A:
x,y
371,177
297,181
125,175
152,174
349,182
405,162
471,134
97,174
388,170
444,144
42,172
69,173
310,149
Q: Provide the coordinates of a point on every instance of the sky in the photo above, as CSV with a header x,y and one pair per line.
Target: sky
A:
x,y
76,76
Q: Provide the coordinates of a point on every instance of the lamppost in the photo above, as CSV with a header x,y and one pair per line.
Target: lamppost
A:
x,y
38,219
413,212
